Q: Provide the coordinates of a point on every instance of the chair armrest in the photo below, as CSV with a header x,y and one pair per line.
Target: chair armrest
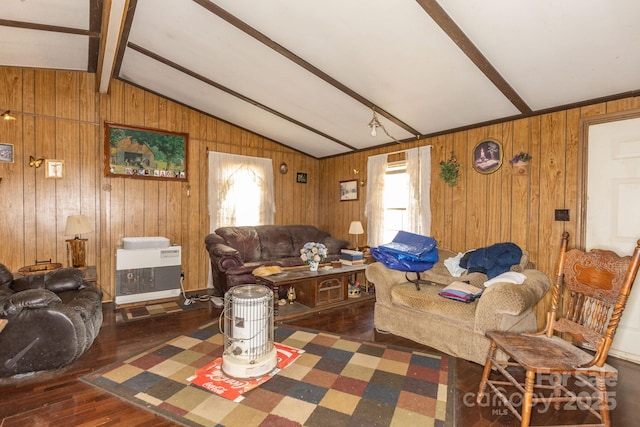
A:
x,y
87,301
30,298
510,299
224,257
384,279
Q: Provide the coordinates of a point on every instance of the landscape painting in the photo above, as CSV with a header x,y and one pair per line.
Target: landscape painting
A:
x,y
135,152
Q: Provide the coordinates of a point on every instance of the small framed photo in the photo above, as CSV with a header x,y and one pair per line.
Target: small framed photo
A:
x,y
349,190
487,156
53,168
6,153
301,177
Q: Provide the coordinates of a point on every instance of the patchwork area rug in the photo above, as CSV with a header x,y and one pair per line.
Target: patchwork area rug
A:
x,y
129,314
337,381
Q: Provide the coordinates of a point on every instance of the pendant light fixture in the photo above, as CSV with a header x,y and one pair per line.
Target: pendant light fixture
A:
x,y
374,124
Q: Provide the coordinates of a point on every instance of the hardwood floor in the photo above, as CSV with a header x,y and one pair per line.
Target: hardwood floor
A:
x,y
60,399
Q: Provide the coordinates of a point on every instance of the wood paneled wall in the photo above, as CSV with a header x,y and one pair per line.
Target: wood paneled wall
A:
x,y
61,116
499,207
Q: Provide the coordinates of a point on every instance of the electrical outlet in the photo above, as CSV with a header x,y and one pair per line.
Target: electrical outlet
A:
x,y
562,214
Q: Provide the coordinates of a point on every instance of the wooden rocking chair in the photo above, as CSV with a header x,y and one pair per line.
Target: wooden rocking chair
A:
x,y
597,284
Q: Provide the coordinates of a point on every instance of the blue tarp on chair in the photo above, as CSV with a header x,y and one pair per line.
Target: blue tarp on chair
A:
x,y
408,252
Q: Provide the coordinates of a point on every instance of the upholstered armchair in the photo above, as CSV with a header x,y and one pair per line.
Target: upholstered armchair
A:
x,y
52,319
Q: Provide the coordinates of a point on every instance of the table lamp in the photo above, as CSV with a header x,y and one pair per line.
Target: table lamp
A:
x,y
356,228
77,247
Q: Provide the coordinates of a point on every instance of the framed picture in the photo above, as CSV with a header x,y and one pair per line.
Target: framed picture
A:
x,y
487,156
135,152
53,168
349,190
6,153
301,177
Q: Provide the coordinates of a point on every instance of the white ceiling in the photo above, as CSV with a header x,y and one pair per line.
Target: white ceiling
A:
x,y
307,73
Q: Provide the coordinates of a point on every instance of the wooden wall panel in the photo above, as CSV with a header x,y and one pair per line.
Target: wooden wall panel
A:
x,y
23,221
61,116
459,201
519,192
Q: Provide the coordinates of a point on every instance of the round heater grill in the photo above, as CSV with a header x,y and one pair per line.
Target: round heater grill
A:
x,y
247,324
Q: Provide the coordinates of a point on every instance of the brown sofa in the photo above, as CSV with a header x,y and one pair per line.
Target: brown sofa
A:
x,y
236,251
454,327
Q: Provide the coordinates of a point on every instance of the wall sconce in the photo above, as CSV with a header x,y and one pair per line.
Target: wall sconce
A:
x,y
356,228
7,115
77,247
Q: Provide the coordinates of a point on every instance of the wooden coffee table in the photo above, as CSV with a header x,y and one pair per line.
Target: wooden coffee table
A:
x,y
315,290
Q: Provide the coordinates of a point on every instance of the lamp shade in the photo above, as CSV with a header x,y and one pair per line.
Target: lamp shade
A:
x,y
77,224
356,228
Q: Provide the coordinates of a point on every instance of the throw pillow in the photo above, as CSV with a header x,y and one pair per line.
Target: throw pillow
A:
x,y
508,277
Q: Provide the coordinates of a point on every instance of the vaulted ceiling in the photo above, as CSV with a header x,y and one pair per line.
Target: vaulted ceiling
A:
x,y
307,74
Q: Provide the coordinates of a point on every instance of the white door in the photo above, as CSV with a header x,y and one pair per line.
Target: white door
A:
x,y
613,211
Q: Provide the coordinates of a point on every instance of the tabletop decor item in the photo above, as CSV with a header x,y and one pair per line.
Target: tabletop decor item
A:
x,y
313,253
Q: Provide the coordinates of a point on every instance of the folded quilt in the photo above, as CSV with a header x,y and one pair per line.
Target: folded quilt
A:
x,y
461,291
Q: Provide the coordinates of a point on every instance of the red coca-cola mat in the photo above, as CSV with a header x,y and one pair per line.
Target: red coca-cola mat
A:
x,y
211,377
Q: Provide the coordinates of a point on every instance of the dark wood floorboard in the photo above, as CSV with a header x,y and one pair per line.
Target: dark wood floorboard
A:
x,y
60,399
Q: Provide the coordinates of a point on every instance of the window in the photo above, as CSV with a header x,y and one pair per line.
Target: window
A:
x,y
398,195
241,206
396,200
240,190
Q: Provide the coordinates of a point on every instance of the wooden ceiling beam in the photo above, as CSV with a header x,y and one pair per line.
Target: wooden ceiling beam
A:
x,y
451,29
45,27
95,26
112,24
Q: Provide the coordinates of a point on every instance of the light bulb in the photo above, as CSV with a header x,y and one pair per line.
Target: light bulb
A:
x,y
373,130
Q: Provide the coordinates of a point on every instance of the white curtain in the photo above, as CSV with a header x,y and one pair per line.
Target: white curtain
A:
x,y
418,162
374,206
235,179
419,171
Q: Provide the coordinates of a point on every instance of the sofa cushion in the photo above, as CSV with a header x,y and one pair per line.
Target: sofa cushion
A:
x,y
32,281
64,279
428,301
301,234
244,239
275,242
